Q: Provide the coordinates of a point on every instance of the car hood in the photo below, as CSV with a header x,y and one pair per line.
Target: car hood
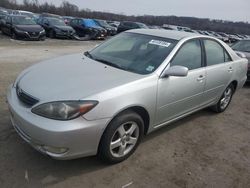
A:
x,y
72,77
110,27
97,27
247,55
65,28
29,28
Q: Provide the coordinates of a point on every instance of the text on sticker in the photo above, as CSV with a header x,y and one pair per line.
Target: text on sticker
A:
x,y
160,43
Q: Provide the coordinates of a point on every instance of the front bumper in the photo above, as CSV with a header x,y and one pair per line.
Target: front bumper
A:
x,y
31,35
111,32
65,34
76,138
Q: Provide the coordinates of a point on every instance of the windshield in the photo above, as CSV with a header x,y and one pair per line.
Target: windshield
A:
x,y
243,46
23,21
103,23
90,23
137,53
142,25
56,21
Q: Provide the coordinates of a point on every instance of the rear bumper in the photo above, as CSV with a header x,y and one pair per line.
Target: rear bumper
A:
x,y
75,138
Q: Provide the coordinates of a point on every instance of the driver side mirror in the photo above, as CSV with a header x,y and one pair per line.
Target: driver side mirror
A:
x,y
179,71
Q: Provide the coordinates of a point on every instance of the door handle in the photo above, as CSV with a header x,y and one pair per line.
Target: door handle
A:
x,y
230,69
200,78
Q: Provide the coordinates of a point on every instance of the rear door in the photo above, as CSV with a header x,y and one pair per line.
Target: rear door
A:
x,y
219,70
180,95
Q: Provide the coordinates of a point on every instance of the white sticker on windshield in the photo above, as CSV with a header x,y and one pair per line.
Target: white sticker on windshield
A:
x,y
160,43
150,68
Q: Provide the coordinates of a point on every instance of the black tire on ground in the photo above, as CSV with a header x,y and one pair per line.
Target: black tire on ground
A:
x,y
42,39
52,34
219,107
104,151
13,36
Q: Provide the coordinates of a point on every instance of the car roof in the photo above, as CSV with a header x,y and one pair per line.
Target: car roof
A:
x,y
171,34
13,15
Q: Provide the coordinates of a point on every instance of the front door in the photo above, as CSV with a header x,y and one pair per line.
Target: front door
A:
x,y
180,95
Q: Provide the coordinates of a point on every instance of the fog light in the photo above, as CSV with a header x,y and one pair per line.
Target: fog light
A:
x,y
55,150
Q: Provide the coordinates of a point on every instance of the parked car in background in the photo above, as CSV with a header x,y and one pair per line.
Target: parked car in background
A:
x,y
88,27
124,26
154,27
56,27
233,38
3,14
113,23
67,19
23,27
243,46
105,101
45,14
219,36
175,27
225,36
111,31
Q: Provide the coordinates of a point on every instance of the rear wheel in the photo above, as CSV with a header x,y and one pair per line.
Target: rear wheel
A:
x,y
225,100
121,137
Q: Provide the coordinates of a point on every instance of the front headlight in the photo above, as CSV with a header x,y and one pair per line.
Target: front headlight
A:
x,y
43,31
64,110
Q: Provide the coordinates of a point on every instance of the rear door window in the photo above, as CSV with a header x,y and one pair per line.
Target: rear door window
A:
x,y
215,53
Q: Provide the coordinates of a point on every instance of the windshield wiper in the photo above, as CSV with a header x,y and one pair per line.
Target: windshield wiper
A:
x,y
88,55
110,64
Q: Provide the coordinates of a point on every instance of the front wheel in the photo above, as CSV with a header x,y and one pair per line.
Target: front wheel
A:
x,y
121,137
13,35
225,100
52,34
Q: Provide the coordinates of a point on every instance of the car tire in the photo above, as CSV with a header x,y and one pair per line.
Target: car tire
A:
x,y
13,36
42,38
121,137
52,34
225,100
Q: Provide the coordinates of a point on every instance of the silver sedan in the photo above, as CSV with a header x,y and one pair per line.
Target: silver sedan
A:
x,y
105,101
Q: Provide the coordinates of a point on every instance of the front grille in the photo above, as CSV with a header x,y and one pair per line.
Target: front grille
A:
x,y
25,98
33,34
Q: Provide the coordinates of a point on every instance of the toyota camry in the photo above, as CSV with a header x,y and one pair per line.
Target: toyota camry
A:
x,y
104,101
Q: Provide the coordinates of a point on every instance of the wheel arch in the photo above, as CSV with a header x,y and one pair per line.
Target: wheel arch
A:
x,y
141,111
235,84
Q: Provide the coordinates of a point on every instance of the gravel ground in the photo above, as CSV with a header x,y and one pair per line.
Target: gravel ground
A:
x,y
202,150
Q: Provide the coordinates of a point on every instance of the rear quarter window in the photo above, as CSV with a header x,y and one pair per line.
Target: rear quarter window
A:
x,y
215,53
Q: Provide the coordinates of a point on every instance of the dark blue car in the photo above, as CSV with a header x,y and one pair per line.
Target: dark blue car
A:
x,y
88,27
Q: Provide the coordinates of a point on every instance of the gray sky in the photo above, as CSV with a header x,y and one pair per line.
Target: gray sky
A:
x,y
216,9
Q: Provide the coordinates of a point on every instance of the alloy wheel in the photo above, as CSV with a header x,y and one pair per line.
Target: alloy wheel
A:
x,y
124,139
227,95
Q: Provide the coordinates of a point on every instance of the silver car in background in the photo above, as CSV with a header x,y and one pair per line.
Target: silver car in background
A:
x,y
243,46
104,101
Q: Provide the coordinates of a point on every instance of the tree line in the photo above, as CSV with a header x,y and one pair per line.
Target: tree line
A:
x,y
69,9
